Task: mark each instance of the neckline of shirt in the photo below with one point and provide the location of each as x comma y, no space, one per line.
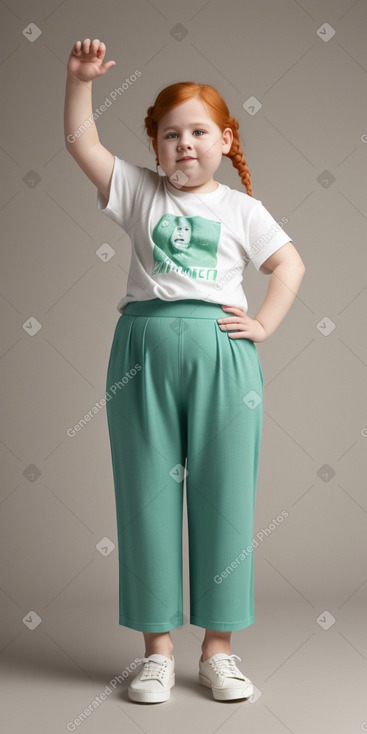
178,192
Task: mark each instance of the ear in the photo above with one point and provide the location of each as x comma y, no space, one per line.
227,136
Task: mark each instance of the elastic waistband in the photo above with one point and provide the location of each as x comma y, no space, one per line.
188,308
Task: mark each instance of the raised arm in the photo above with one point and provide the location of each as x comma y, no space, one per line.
80,132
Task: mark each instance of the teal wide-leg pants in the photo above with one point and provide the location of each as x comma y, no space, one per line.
184,400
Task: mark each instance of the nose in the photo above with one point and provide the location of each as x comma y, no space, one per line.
184,144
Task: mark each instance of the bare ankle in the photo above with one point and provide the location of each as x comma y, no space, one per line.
159,644
213,644
166,653
158,650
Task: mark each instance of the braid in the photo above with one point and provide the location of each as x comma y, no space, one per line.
151,127
237,157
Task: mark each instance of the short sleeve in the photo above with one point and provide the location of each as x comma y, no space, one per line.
125,183
265,235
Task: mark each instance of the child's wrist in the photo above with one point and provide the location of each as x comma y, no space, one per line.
76,79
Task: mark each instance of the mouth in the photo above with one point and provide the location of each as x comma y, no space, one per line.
186,158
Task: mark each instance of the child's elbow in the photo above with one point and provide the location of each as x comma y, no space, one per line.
298,262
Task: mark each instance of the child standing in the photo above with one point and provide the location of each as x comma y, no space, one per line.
184,381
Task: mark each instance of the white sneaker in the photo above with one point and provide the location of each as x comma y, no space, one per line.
154,681
221,674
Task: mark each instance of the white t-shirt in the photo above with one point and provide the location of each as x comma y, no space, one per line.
188,245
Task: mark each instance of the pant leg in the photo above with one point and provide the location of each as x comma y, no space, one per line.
147,438
223,383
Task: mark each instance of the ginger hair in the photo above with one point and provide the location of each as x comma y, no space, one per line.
180,92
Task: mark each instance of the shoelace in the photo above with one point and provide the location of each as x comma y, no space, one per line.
227,667
151,671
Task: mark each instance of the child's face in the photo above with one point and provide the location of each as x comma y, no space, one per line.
204,142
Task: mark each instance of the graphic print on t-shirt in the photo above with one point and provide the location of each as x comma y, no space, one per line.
188,245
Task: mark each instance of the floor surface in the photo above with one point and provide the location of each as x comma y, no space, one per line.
309,671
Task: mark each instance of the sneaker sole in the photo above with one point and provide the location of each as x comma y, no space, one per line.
227,694
151,696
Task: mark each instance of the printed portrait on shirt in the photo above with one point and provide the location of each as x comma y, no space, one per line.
185,242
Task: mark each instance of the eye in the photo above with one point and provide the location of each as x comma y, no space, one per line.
196,131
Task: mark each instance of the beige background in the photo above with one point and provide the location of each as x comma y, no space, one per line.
306,148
